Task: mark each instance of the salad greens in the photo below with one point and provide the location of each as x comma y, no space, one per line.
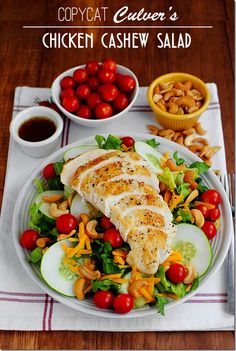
152,142
179,161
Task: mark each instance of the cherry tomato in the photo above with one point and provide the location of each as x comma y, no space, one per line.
67,92
203,209
123,303
110,65
106,223
128,141
84,112
66,223
118,77
106,77
93,100
126,84
121,102
48,171
83,91
92,67
214,214
80,75
176,273
103,299
70,103
108,92
211,196
28,239
209,229
45,103
93,83
113,235
67,82
103,110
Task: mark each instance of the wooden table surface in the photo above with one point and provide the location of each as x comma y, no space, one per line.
24,61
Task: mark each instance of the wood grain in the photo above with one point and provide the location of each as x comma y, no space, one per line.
24,61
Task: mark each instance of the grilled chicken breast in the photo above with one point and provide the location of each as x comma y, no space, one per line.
123,186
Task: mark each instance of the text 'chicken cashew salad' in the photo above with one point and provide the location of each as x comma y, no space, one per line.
122,224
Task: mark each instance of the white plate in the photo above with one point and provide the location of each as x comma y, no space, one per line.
220,243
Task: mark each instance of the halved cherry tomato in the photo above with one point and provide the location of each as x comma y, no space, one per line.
121,102
108,92
80,75
211,196
49,172
93,100
109,64
67,92
103,299
106,223
103,110
67,82
128,141
209,229
126,84
83,91
203,209
70,103
28,239
84,112
113,235
214,214
176,273
106,77
92,67
123,303
66,223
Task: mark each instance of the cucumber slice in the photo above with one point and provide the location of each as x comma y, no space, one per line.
150,154
44,208
79,206
67,191
76,151
139,302
193,244
52,270
123,289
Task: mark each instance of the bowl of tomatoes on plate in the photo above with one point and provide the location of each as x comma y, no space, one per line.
95,93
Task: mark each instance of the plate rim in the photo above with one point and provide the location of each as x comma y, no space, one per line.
109,313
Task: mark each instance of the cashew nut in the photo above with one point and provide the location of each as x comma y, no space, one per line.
198,217
153,129
173,167
63,205
165,132
161,106
195,148
180,140
65,236
42,242
192,196
173,108
189,139
189,178
79,288
91,229
189,131
192,274
87,273
186,101
134,287
201,140
192,109
169,94
157,97
55,212
199,129
176,136
180,111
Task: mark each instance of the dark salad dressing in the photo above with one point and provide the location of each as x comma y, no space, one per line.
37,129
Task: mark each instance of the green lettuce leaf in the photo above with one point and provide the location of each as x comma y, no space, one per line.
100,140
167,178
58,167
179,161
104,285
152,142
184,189
40,185
35,255
200,166
111,143
161,302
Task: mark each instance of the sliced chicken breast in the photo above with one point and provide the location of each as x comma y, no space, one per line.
123,186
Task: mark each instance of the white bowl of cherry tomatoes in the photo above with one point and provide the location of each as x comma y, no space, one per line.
95,94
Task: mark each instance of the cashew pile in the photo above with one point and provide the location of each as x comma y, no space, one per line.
191,138
178,98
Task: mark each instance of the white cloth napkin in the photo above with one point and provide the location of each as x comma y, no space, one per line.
23,306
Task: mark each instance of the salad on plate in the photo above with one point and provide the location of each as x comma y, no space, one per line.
123,224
